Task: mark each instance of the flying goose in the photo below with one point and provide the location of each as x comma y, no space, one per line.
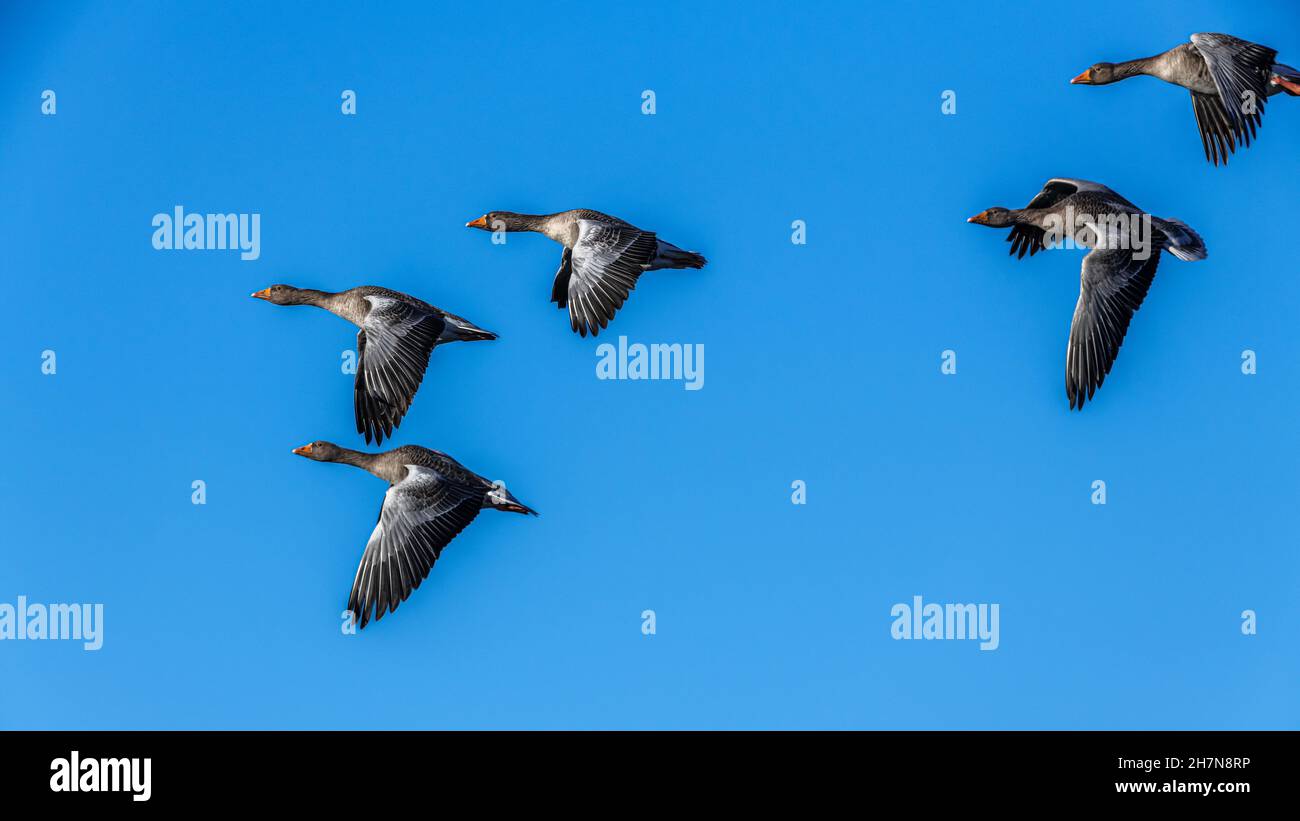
1230,80
431,498
398,333
1115,274
602,258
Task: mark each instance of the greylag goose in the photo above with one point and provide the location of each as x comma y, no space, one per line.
398,333
1115,275
1230,80
602,258
431,498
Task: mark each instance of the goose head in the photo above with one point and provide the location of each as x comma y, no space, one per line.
281,295
504,221
993,217
1099,74
320,451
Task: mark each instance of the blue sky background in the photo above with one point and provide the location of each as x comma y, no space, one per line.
822,364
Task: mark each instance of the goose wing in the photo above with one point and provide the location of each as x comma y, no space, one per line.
560,287
1241,71
1113,283
603,269
1218,136
393,348
420,515
1029,238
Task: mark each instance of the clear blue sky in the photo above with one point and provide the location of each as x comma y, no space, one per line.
822,365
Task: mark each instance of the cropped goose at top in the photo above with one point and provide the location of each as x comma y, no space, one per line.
602,259
397,335
1114,278
431,498
1230,80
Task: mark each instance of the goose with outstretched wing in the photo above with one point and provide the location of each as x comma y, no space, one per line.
1230,80
602,259
431,498
397,334
1125,245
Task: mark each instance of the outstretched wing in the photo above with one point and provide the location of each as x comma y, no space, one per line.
1218,137
1241,72
1112,285
393,348
420,515
1029,238
604,266
560,287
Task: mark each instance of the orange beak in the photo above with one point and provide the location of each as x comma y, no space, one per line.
1083,79
980,218
265,293
481,222
305,450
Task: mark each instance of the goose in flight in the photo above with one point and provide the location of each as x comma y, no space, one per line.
431,498
602,258
1230,80
1116,272
398,333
